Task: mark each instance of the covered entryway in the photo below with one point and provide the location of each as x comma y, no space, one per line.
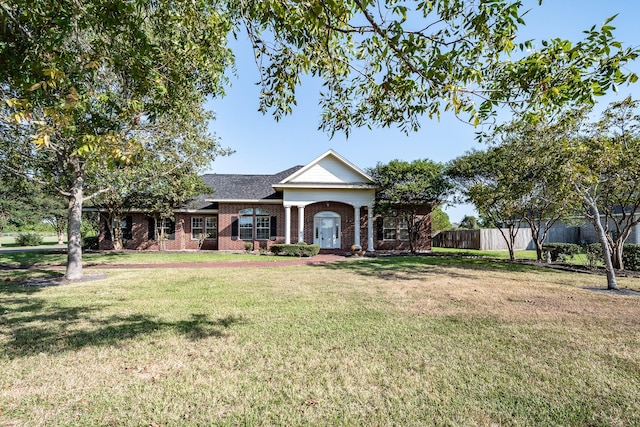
326,230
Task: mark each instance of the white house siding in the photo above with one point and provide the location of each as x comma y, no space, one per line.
328,170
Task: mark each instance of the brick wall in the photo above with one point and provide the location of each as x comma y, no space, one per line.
182,238
227,211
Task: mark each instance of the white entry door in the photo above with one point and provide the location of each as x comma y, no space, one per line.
327,230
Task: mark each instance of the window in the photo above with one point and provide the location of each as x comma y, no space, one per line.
168,227
394,228
254,222
204,227
262,227
196,228
246,227
126,227
389,228
211,227
403,225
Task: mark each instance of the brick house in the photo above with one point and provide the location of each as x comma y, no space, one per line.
328,202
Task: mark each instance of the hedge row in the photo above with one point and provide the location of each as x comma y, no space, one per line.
299,249
631,257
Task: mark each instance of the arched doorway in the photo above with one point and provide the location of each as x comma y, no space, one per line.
326,230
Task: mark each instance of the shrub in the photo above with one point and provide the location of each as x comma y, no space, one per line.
248,246
29,239
561,251
90,242
631,257
594,254
299,249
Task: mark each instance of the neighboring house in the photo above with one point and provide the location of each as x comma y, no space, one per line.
327,202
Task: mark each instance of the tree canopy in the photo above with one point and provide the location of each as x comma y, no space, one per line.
83,81
388,62
410,190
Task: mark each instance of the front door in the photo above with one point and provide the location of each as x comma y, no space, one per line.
327,231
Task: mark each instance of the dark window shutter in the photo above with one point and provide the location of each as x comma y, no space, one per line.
152,229
379,228
107,233
128,231
172,229
274,227
234,228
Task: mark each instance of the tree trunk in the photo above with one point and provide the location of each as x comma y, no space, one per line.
512,252
617,255
606,252
74,245
60,237
538,250
116,233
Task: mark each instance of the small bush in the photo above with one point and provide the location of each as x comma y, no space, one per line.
561,251
631,257
90,242
248,246
29,239
300,249
594,254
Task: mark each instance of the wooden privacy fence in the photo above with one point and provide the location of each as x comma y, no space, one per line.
491,238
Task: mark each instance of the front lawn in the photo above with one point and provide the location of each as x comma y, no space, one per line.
395,341
43,259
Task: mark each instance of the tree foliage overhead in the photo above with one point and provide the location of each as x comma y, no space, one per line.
389,62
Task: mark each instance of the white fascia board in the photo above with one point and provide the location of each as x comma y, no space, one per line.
196,210
263,201
357,185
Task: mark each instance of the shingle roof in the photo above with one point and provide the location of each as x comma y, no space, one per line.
245,187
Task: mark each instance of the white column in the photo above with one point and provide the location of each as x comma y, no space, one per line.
287,224
370,247
300,224
356,225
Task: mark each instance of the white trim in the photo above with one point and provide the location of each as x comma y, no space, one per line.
197,211
263,201
315,161
336,229
349,186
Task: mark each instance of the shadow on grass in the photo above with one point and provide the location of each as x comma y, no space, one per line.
11,277
31,326
414,267
32,258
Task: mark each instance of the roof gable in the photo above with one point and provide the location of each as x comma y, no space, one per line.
329,168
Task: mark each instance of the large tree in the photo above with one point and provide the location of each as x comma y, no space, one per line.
410,191
487,180
532,176
78,78
615,140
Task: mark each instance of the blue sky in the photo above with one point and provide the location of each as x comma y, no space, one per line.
264,146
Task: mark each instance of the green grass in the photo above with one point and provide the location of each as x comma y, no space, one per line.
34,258
394,341
579,259
10,241
523,254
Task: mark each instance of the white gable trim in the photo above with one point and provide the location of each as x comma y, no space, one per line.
366,179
